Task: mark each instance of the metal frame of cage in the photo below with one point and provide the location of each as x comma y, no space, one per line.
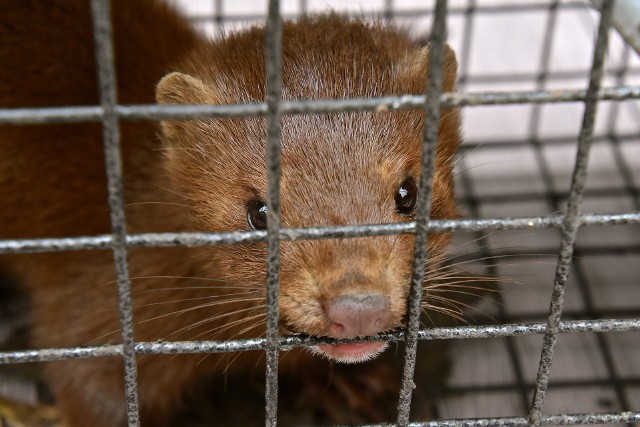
109,113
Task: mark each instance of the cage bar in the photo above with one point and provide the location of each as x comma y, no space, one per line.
101,14
288,342
307,233
571,222
273,52
21,116
431,116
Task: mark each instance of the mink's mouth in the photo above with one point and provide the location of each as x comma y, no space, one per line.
351,352
343,353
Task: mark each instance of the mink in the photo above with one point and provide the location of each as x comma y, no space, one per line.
210,175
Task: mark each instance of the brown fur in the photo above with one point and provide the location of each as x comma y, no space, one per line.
337,169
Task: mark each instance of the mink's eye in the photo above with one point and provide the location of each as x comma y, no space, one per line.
257,214
406,197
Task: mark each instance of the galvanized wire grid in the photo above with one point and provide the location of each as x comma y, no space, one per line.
109,113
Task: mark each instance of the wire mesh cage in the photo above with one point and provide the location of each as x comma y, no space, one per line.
548,178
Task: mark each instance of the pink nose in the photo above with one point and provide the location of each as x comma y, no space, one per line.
356,315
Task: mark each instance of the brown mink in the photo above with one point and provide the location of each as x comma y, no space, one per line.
210,175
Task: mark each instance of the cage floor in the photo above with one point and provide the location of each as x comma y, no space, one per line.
517,161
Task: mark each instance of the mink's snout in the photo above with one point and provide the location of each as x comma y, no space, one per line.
357,315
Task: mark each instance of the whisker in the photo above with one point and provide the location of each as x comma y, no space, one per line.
229,325
462,157
243,299
171,191
261,318
239,321
447,280
467,169
212,319
474,260
247,329
426,313
486,246
199,307
178,288
103,336
205,279
458,286
472,308
178,312
186,288
235,357
451,313
455,276
479,238
156,203
449,303
455,301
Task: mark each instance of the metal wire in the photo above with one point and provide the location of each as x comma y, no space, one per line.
467,39
20,116
288,342
571,222
273,51
423,208
101,15
563,420
293,234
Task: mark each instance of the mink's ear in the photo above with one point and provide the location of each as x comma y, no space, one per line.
449,133
419,66
181,89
